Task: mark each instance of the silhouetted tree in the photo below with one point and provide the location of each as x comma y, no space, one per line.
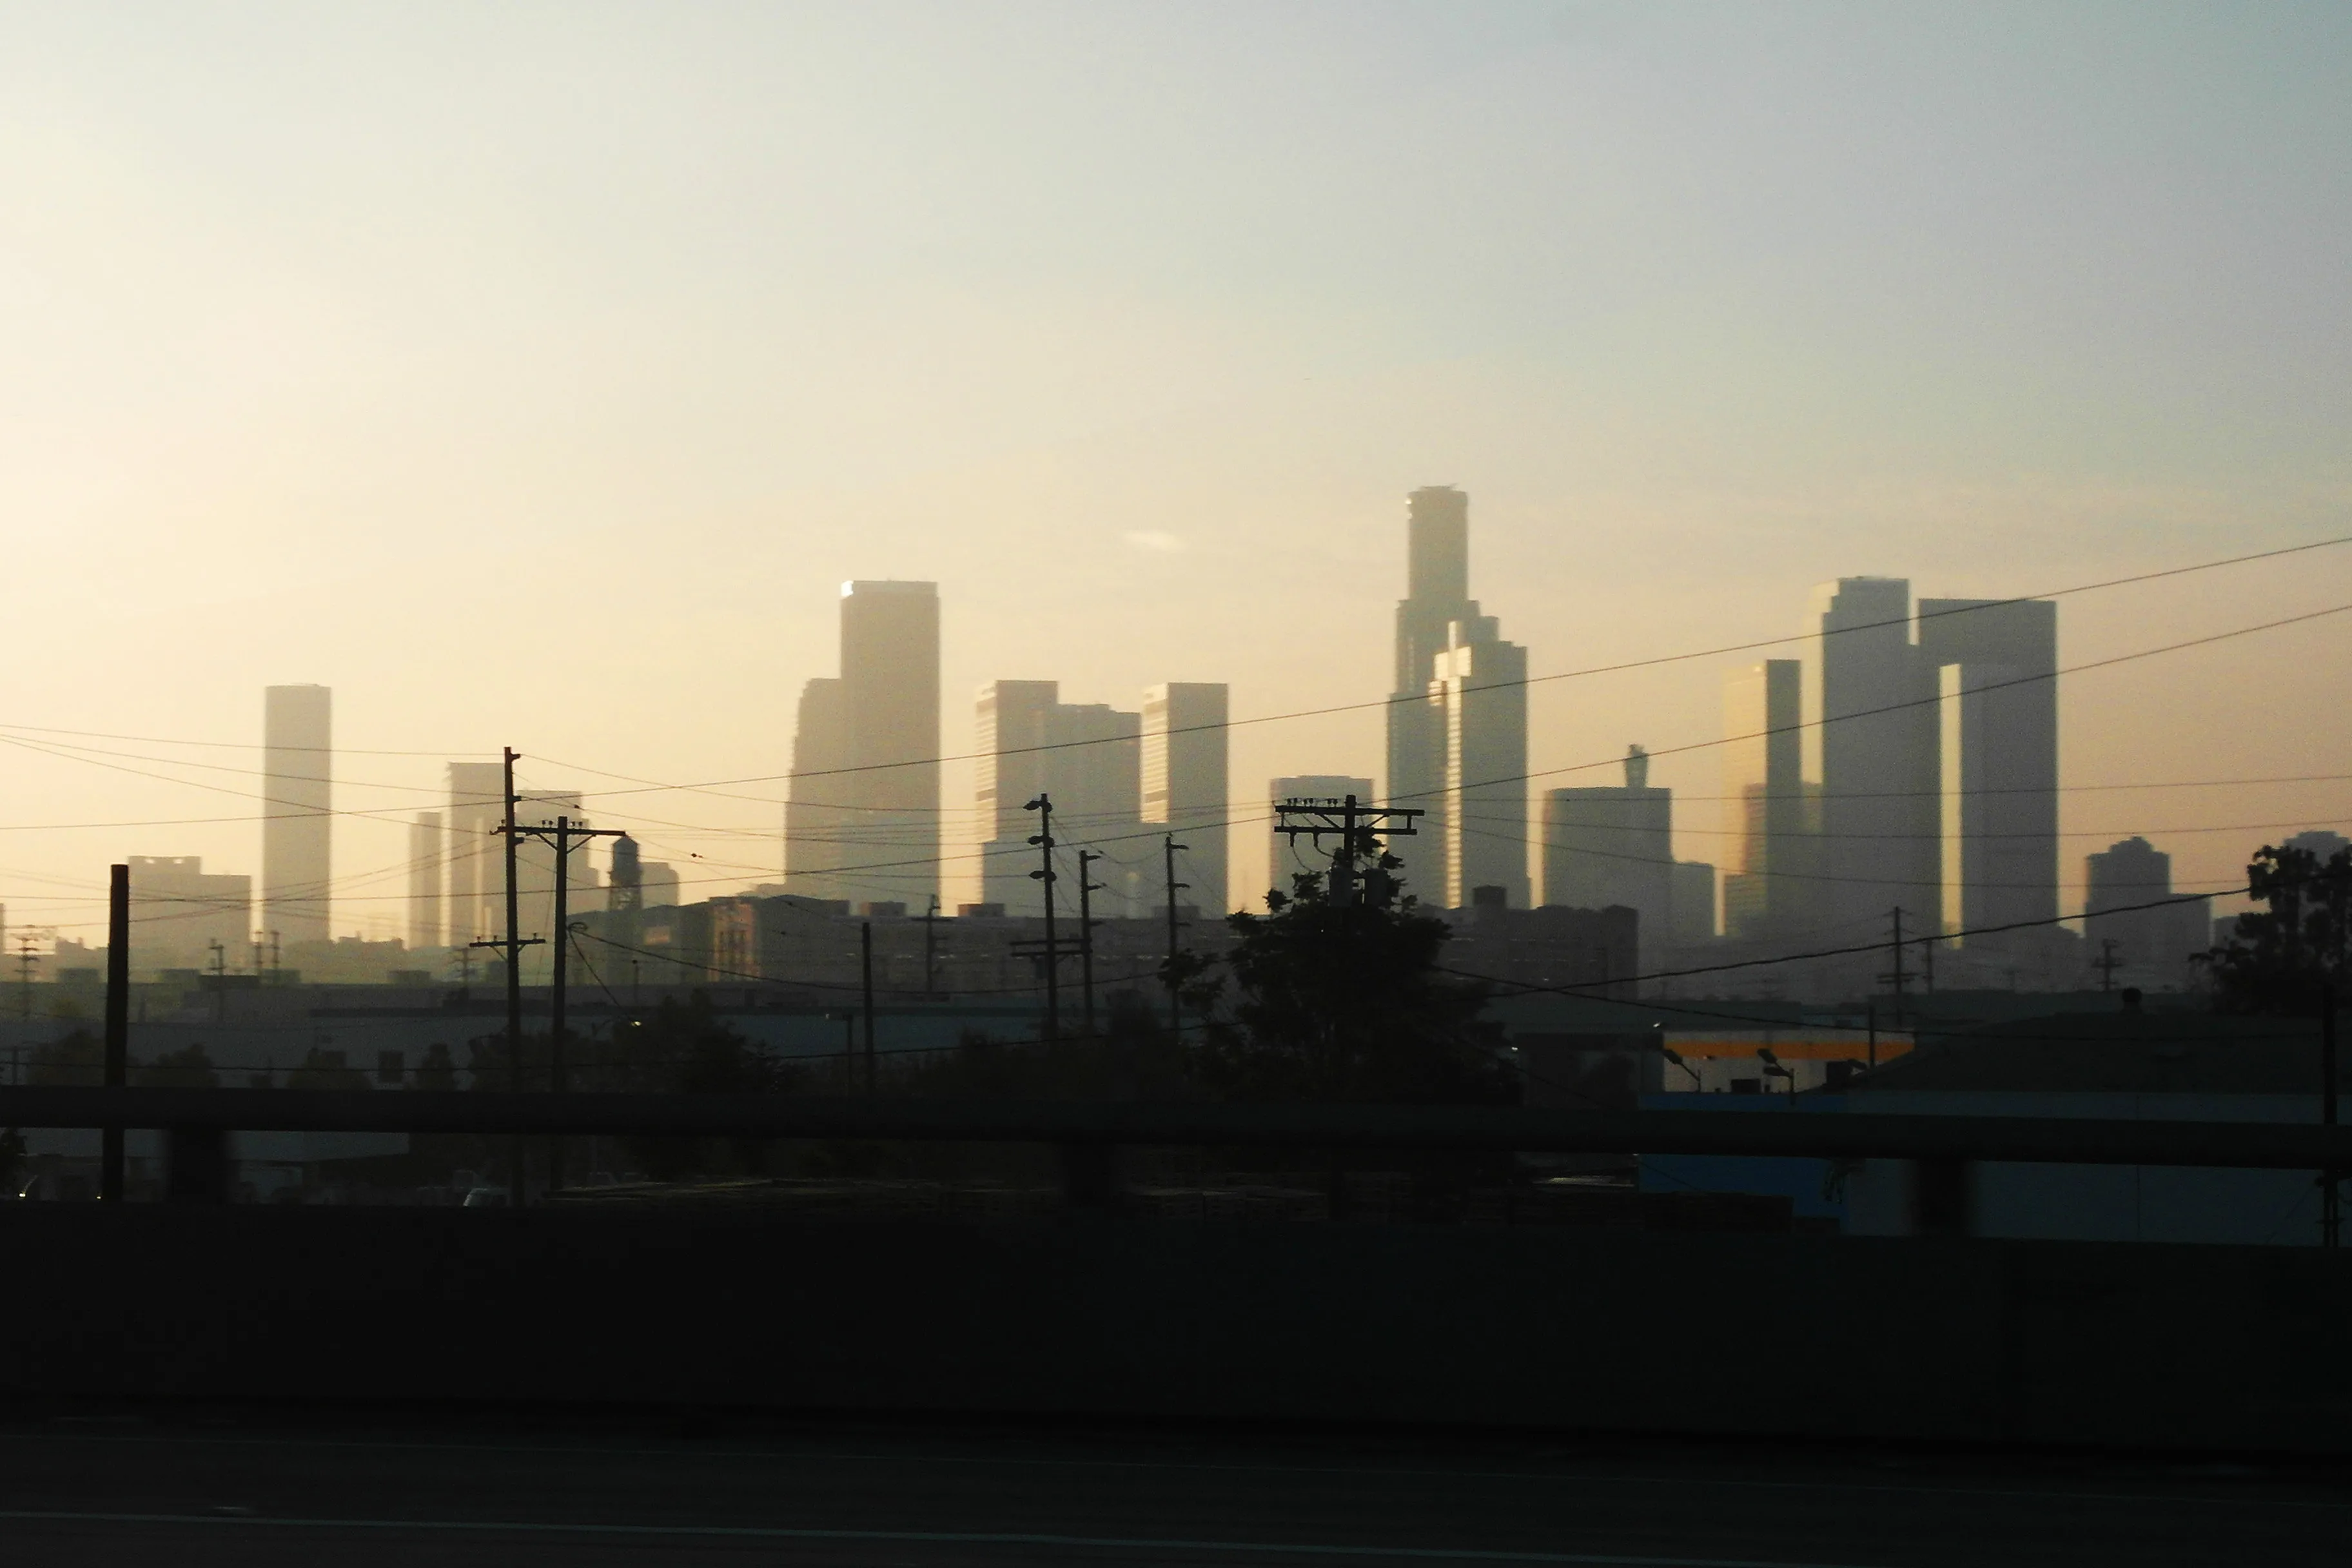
684,1049
186,1069
323,1068
75,1060
2279,956
1345,1001
438,1070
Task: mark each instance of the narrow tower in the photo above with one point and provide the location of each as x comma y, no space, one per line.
297,812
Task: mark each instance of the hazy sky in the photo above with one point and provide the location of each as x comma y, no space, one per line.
533,374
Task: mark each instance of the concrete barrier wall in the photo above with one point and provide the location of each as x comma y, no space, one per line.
2168,1347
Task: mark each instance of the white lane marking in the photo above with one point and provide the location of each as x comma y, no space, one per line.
918,1537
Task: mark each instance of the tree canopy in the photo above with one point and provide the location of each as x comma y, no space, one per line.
2280,955
1339,1000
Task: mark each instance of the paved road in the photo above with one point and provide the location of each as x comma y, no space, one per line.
261,1490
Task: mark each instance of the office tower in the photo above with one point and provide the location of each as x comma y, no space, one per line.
475,853
1015,721
1437,596
1479,696
660,885
1873,698
1088,757
815,818
297,812
889,728
625,877
426,925
535,875
1996,663
1771,814
183,917
2151,945
1605,845
1691,912
1287,861
2323,844
1185,785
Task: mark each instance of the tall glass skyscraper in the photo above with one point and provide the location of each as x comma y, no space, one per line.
297,811
862,821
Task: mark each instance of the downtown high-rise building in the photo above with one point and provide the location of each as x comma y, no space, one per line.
1287,859
427,922
1185,767
297,812
2136,930
473,852
1872,741
1437,596
813,812
1478,695
1084,757
1614,845
1997,672
862,818
1771,815
1457,720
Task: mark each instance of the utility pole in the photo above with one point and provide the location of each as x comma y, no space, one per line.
511,944
866,987
1087,886
29,938
118,1024
561,836
931,948
1043,838
1168,848
1869,1019
1898,976
2107,964
1354,823
220,980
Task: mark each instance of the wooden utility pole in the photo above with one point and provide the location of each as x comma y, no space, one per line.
117,1024
511,944
560,836
1087,886
1043,839
1358,826
1898,976
1168,848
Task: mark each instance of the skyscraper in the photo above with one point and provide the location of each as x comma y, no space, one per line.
475,853
1287,859
297,811
184,917
1873,698
1604,846
427,924
1997,668
1185,783
1087,757
2149,945
814,815
1437,595
1770,816
889,727
1479,699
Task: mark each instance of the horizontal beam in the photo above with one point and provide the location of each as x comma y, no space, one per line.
1514,1129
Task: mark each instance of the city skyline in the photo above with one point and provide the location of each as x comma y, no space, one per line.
1141,405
